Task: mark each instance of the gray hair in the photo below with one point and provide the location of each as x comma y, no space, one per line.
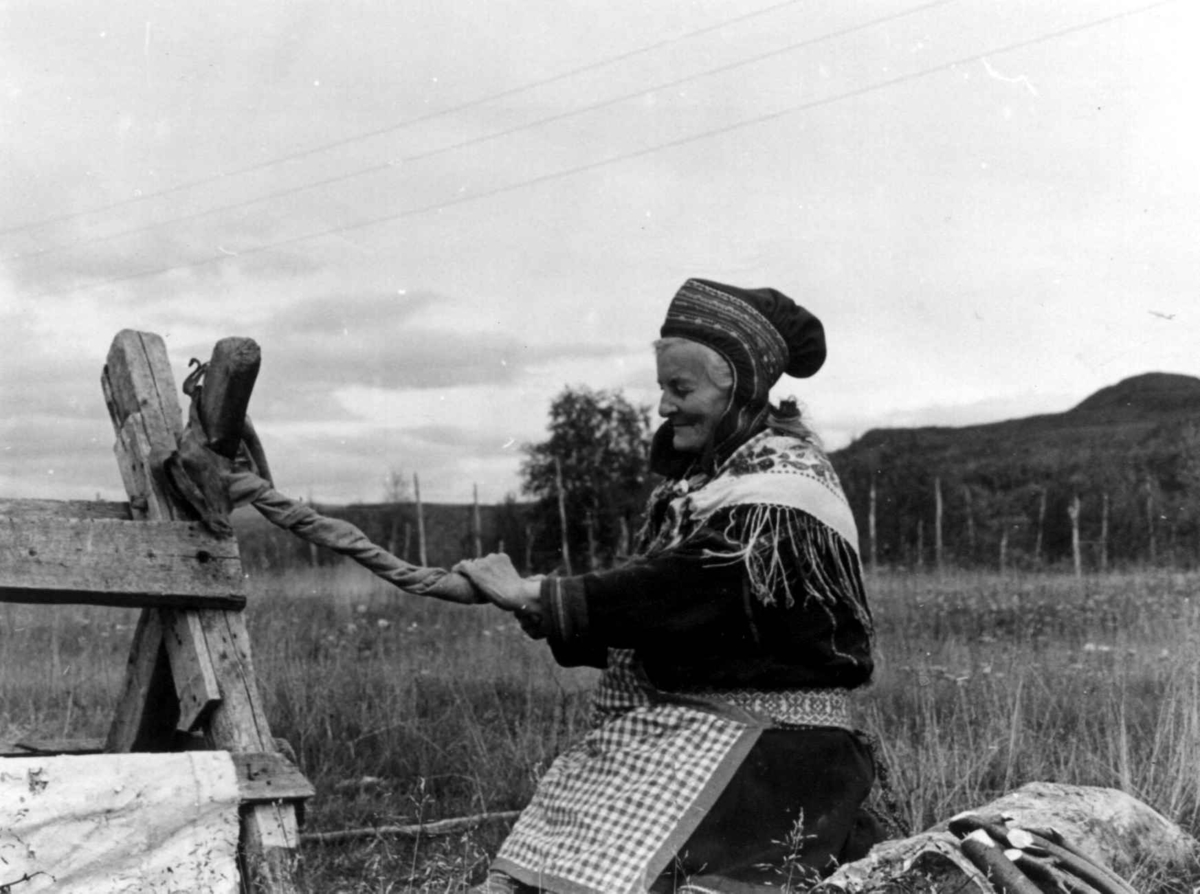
786,419
716,367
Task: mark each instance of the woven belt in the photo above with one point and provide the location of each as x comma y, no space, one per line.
794,707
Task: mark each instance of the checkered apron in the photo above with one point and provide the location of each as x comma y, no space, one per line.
611,812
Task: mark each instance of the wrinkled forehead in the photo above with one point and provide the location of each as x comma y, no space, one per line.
688,359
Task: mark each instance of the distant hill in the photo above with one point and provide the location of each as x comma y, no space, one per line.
1134,445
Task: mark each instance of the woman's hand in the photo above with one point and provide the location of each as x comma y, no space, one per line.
496,578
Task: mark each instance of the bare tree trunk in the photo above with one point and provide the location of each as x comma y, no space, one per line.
871,528
1073,511
422,560
937,520
1004,550
475,525
562,515
528,548
920,543
407,541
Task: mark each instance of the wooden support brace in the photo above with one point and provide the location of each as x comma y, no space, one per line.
192,668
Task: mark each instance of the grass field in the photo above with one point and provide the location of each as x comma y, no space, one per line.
404,711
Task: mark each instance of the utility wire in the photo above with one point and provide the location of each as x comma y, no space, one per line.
401,125
474,141
604,162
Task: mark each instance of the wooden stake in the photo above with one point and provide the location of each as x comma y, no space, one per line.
423,561
873,538
1104,533
1041,526
1073,512
476,527
937,534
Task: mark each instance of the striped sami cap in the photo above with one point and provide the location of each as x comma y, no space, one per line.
762,333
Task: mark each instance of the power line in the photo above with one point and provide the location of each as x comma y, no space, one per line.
401,125
473,141
590,166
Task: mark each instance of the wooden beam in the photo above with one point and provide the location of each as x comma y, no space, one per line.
137,377
106,561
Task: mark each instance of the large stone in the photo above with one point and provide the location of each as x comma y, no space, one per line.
1116,830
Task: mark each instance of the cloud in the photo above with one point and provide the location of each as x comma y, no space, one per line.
395,342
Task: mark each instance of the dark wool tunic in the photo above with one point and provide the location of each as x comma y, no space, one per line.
733,593
692,621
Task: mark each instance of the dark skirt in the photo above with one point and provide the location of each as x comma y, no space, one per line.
791,814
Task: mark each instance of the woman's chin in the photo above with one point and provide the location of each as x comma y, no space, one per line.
685,442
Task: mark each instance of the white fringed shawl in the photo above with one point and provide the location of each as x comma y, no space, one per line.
778,490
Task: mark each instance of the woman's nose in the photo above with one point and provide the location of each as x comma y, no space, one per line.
665,406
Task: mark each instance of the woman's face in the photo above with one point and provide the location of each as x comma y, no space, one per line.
690,401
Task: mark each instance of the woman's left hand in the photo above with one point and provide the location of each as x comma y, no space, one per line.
497,579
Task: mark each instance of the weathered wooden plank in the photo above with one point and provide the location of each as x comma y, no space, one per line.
140,393
85,509
144,483
137,379
191,668
264,776
239,724
113,562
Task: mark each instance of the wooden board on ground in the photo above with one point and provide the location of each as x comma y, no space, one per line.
105,824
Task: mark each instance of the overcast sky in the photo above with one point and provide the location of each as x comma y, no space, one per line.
434,216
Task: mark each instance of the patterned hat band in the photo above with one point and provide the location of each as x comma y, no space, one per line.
735,329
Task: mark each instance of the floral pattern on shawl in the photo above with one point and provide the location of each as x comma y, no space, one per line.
776,505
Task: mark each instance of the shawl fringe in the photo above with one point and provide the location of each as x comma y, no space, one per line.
822,568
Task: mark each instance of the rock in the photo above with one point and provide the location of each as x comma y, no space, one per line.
1116,830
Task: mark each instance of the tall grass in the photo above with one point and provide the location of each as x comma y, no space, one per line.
404,710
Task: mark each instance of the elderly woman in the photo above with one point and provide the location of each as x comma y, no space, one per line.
722,756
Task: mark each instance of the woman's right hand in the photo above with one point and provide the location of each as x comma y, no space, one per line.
496,578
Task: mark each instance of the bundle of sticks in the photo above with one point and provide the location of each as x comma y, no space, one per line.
1019,860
